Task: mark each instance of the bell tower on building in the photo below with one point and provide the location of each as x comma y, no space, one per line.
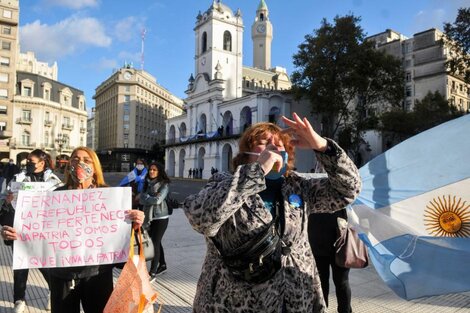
262,36
219,45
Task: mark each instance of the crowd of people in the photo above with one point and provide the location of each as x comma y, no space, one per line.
269,230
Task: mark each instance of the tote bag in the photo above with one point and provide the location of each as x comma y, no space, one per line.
133,292
351,252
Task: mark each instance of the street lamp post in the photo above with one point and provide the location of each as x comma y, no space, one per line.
60,140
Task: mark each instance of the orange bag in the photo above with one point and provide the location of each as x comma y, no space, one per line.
133,292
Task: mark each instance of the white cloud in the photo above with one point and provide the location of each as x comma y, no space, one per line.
74,4
51,42
128,28
128,57
105,64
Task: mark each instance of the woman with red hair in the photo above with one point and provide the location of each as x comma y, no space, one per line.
255,221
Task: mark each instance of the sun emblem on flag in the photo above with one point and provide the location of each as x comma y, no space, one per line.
447,217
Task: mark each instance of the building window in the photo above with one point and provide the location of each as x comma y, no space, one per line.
47,117
25,138
227,41
408,92
6,45
408,77
46,138
27,92
7,13
127,98
3,126
204,42
3,109
3,77
26,115
47,94
3,94
127,88
4,61
6,30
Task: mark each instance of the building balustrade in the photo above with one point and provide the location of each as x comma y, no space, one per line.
83,130
220,133
24,120
48,123
67,126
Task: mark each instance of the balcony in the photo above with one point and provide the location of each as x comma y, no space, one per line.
82,130
453,91
5,134
22,145
67,126
48,123
23,120
220,134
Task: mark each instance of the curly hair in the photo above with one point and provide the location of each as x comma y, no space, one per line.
257,132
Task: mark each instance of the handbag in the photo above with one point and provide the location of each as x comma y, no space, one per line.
351,252
133,292
259,259
147,245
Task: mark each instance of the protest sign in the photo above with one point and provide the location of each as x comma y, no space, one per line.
72,227
32,186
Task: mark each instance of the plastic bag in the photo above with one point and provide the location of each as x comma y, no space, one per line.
133,292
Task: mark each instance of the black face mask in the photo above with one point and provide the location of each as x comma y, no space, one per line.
30,168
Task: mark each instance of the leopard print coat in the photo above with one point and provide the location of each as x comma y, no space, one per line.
223,211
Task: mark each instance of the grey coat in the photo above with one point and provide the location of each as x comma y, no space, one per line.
224,210
153,200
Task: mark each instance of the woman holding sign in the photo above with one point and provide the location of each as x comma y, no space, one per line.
91,285
38,169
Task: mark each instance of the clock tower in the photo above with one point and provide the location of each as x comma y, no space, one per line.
219,46
262,36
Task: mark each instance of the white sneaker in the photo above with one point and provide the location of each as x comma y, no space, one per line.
20,306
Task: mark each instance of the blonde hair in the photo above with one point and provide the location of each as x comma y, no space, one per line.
257,132
98,177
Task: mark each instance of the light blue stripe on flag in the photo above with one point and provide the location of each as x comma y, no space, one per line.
414,212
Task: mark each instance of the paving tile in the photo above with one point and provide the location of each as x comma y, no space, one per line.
185,251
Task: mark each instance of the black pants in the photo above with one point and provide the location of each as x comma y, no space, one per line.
93,292
156,231
20,281
340,279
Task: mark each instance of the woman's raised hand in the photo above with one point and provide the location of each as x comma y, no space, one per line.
304,134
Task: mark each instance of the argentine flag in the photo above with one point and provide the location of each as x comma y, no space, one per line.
414,212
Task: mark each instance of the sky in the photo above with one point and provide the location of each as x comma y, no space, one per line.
90,38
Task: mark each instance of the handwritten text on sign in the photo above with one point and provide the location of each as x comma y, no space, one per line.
72,227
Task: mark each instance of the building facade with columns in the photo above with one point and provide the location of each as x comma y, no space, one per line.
224,97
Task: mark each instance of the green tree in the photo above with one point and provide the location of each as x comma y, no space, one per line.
431,111
158,151
343,76
458,35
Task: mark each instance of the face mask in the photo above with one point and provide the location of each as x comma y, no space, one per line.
273,174
81,172
30,168
139,167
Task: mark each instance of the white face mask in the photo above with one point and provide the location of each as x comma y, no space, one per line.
139,167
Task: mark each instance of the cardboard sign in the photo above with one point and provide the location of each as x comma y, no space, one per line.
72,227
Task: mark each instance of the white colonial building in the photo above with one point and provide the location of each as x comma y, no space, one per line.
225,97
